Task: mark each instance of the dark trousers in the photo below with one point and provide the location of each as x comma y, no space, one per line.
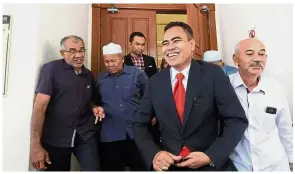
115,156
86,153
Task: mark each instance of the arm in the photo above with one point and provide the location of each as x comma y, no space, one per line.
143,83
142,137
284,124
44,91
97,109
37,120
96,97
235,120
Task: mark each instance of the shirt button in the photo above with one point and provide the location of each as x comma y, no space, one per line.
117,86
120,104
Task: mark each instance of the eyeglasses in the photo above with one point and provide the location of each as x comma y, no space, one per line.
75,52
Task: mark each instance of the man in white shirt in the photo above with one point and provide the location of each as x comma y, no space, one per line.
267,143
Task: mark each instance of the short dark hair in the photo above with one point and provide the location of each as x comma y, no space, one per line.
137,33
187,29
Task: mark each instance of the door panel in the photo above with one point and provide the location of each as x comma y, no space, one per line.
118,27
196,20
142,26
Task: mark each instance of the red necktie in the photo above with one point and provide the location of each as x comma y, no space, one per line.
179,99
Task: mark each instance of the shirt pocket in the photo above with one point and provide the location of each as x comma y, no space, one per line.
129,90
268,122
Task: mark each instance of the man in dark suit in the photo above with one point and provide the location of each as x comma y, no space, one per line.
187,100
136,57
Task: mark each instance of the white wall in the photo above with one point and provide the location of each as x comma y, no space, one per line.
21,79
36,33
274,26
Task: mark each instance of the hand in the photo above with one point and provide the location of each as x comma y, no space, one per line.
154,121
163,160
195,160
99,113
291,166
38,157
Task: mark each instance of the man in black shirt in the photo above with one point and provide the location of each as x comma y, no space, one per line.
63,122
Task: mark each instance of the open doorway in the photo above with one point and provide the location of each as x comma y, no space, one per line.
115,22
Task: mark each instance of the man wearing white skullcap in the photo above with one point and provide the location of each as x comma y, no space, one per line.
214,56
120,89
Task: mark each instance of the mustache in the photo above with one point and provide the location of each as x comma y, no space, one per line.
256,64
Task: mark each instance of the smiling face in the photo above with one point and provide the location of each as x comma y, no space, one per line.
250,57
177,48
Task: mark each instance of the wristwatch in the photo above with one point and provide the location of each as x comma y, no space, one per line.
291,166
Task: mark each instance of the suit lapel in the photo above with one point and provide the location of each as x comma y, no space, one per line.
193,86
145,61
129,61
166,89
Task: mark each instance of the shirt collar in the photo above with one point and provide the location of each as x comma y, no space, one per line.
68,66
135,56
185,72
238,81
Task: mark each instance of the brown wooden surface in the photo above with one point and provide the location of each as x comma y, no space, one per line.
117,28
212,32
95,42
169,7
208,41
195,20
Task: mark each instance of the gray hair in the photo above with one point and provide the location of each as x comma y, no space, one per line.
73,37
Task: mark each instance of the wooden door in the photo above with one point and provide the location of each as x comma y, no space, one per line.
117,28
197,21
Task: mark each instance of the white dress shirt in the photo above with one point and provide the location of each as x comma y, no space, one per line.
173,78
267,144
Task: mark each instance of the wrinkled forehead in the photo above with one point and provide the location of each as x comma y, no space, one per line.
112,57
251,44
74,43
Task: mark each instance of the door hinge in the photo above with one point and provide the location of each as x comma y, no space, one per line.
113,9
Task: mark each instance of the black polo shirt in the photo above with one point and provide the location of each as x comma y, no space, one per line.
69,108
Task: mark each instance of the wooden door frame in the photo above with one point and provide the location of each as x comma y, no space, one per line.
96,23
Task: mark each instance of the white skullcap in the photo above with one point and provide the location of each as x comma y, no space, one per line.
212,55
111,48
